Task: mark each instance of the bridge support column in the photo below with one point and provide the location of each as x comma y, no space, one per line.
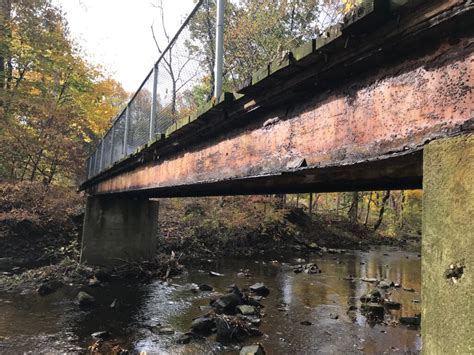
448,246
118,228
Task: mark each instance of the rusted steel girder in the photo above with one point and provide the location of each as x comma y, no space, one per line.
323,131
388,115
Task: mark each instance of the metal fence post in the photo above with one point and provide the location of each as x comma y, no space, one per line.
153,102
125,135
219,61
112,145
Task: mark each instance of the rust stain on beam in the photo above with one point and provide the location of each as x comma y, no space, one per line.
359,122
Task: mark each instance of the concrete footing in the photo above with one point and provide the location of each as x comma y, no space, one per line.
118,229
448,246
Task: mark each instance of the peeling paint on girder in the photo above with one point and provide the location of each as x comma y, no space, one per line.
395,113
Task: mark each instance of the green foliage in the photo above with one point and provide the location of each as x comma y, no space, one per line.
401,216
257,32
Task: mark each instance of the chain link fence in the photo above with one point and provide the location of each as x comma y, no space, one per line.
182,79
172,89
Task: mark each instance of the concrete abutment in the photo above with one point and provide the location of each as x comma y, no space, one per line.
118,229
448,246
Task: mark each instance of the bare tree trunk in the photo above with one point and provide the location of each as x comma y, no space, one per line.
401,206
5,34
311,203
297,200
353,210
337,203
382,210
368,209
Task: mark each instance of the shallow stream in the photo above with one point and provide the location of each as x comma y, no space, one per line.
55,323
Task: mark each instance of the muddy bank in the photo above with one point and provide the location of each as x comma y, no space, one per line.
246,226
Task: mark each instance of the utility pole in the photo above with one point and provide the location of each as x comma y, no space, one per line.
219,60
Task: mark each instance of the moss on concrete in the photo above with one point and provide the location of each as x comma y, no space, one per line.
447,244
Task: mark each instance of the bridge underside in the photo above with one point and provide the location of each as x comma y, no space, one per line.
361,125
391,108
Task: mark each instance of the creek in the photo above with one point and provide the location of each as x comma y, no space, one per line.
30,323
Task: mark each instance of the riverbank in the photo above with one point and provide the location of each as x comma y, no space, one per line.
40,233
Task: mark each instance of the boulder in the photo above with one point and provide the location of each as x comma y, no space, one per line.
371,296
392,304
384,284
227,303
253,319
253,302
416,321
185,339
205,309
375,309
226,331
260,289
205,287
297,269
202,324
312,269
84,299
214,296
232,328
94,282
256,349
49,287
246,310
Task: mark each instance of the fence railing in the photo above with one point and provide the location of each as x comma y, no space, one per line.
166,95
181,80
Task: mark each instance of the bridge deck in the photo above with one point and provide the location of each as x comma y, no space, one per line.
352,112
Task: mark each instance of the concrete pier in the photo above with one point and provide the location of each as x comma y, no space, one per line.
448,246
118,229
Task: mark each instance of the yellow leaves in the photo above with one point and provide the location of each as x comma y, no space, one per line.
35,92
349,5
414,194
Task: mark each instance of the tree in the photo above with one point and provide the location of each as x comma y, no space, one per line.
177,62
354,209
258,32
53,105
382,210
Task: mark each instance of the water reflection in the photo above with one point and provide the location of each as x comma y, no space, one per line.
55,323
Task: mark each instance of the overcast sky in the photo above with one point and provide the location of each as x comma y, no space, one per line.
116,33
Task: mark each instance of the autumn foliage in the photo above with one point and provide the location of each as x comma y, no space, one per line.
53,104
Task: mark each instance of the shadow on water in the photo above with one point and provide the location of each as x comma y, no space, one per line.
56,323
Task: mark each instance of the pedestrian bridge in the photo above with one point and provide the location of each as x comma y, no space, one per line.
382,101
